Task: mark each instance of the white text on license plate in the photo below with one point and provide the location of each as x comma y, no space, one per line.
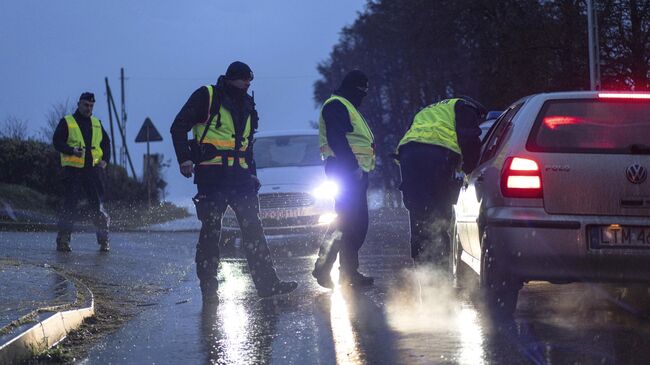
616,235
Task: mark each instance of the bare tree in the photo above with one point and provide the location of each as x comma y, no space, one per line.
14,128
52,118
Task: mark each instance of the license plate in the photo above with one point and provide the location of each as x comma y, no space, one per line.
619,236
279,214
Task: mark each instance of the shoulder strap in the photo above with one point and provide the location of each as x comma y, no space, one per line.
216,102
216,111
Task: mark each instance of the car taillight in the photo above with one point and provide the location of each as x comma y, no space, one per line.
614,95
521,178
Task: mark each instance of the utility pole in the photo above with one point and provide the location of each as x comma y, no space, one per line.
594,54
123,152
147,176
121,130
110,119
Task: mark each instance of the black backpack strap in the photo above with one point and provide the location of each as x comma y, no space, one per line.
215,104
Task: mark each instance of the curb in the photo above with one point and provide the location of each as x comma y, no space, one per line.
47,332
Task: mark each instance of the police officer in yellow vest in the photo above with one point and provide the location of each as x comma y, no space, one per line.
85,151
223,120
443,138
347,145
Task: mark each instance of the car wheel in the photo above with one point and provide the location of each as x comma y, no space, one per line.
499,289
460,272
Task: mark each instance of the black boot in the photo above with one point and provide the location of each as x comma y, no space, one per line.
323,278
323,266
206,271
63,242
209,291
355,278
103,245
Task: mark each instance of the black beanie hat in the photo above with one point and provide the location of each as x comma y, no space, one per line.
471,101
239,71
355,79
88,96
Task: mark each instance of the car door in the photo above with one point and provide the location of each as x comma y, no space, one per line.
472,191
464,210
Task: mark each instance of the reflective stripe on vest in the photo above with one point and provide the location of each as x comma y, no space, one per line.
222,138
76,139
436,125
361,139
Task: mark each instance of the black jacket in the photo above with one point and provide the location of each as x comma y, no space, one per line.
468,118
337,124
60,138
239,104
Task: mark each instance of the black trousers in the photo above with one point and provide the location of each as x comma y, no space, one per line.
429,190
88,180
211,203
349,231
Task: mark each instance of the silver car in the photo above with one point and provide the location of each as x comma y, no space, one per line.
295,197
561,194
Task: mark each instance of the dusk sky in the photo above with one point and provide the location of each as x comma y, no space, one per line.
54,50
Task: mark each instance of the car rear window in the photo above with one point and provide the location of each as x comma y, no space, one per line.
592,126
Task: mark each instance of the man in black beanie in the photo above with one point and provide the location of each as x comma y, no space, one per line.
85,152
347,145
223,120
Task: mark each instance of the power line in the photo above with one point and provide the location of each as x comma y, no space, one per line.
209,77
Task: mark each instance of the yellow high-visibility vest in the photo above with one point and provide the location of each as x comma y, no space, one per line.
76,139
436,125
223,138
361,139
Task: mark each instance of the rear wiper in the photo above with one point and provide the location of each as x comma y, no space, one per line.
639,149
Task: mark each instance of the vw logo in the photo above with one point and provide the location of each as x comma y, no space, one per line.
636,173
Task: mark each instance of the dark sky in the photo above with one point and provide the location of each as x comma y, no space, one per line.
53,50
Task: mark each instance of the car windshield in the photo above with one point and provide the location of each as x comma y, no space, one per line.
283,151
592,126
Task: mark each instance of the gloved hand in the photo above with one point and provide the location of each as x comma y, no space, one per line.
78,151
187,168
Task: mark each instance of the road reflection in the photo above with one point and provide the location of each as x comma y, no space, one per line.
238,329
343,336
357,324
471,336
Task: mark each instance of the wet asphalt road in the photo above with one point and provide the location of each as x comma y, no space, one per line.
408,317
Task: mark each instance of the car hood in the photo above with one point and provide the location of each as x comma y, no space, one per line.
294,178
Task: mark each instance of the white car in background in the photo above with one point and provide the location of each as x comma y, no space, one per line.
295,197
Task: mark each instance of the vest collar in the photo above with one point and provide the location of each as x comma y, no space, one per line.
80,118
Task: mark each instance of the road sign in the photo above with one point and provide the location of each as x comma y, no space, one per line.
148,133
